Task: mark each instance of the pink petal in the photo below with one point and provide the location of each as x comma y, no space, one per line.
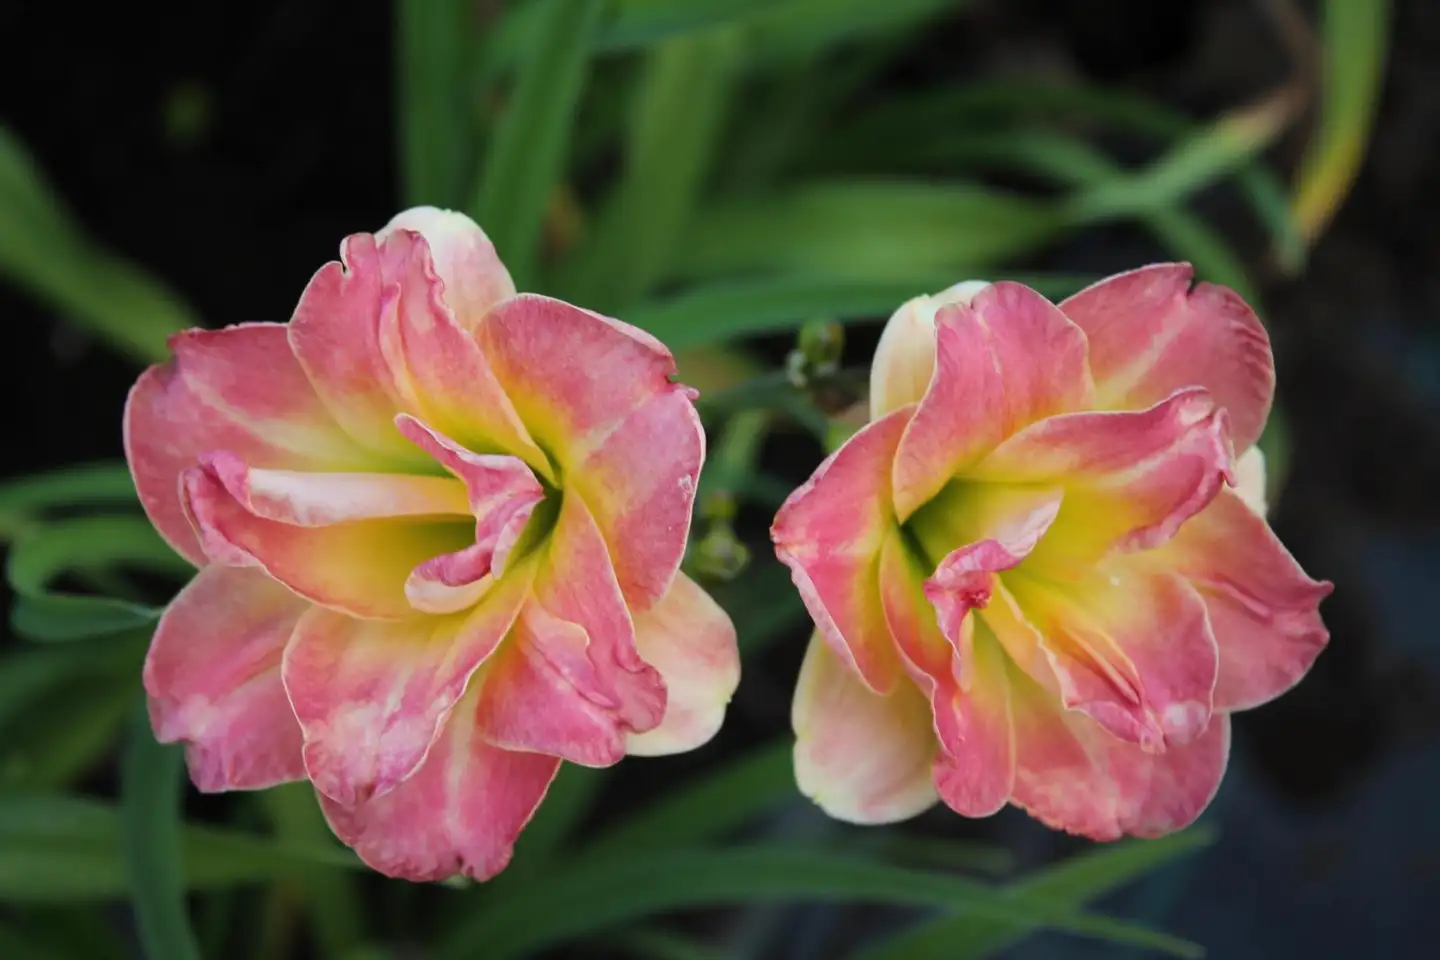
359,567
502,494
235,389
465,260
829,533
572,683
963,677
1129,646
376,338
690,640
1151,334
460,812
574,376
640,486
306,499
863,757
905,356
1004,361
544,695
1073,776
372,695
213,679
1131,478
1263,609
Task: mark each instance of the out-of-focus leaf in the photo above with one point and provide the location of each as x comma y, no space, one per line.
715,804
663,945
36,674
953,118
434,40
1196,161
528,151
567,801
638,23
682,100
44,252
1070,884
150,788
91,484
865,231
728,309
762,603
798,29
1354,37
332,901
89,543
601,894
56,848
1072,162
67,733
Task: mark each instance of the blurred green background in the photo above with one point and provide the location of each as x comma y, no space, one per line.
723,173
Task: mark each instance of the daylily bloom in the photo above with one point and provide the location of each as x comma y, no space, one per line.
439,526
1034,578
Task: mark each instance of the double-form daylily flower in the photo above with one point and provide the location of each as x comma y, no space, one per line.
1040,575
439,526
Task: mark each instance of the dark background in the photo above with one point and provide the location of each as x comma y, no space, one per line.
1331,840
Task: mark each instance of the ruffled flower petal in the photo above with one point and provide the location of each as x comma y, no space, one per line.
1004,361
829,533
863,757
465,260
213,680
1151,334
690,640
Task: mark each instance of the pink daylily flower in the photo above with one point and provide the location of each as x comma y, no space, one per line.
1041,574
438,525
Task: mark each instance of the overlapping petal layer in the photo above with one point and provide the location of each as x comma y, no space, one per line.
1059,562
439,526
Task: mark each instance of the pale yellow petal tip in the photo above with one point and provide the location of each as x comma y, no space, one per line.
431,222
1250,480
905,356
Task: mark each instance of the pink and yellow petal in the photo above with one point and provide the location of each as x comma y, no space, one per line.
690,640
830,533
863,757
465,260
577,584
213,680
1130,647
1130,478
1151,334
644,514
573,376
359,567
459,813
236,389
372,695
1263,609
905,356
1002,362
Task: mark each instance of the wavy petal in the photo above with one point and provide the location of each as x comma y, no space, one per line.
1152,334
690,640
573,684
1263,609
957,672
1130,478
829,533
237,389
574,376
372,695
359,567
376,338
1004,361
1073,776
465,260
905,356
863,757
1131,647
213,679
460,812
1250,480
644,514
